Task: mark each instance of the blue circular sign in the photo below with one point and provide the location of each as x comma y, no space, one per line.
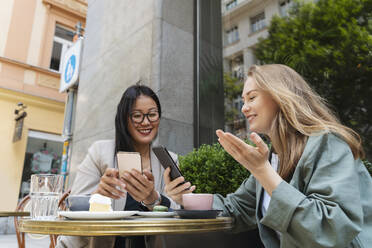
70,68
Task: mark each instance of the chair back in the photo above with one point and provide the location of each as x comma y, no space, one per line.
20,208
23,205
61,206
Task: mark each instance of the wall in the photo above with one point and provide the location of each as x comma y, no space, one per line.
43,115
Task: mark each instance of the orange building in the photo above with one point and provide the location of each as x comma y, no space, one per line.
34,36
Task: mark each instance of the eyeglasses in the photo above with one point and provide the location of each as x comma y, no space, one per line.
138,117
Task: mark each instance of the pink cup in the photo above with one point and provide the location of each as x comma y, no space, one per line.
197,201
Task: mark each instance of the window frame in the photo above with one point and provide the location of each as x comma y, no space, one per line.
66,44
231,4
284,6
55,16
232,35
258,22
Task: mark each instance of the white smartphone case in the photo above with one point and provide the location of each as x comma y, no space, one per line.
128,161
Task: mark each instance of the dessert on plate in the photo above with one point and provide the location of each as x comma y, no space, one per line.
160,208
99,203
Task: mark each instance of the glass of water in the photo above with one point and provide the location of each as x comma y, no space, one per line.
45,191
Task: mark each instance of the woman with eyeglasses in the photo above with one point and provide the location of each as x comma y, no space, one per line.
136,126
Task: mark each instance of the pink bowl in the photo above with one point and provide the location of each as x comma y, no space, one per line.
197,201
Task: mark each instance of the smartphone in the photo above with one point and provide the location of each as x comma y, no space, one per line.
128,161
166,161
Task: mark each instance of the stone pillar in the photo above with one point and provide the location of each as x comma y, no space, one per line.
208,89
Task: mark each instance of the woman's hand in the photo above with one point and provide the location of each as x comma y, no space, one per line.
174,189
252,158
110,185
255,159
140,186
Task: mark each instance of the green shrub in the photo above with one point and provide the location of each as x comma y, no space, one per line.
212,170
368,166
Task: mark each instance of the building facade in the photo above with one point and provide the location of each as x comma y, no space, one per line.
244,22
35,35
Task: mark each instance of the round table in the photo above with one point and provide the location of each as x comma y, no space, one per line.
13,213
125,227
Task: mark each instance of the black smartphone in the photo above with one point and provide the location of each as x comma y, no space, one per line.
166,161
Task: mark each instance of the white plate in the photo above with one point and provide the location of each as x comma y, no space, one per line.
86,215
157,214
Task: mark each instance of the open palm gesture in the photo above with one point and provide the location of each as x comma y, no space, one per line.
252,158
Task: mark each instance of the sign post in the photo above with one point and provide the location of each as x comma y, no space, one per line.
69,80
71,66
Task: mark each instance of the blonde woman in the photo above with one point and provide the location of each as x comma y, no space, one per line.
312,190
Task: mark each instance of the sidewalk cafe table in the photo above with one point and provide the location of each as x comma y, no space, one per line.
13,213
132,226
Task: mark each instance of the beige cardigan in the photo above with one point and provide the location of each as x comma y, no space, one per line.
100,157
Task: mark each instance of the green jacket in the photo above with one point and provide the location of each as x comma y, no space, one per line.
327,203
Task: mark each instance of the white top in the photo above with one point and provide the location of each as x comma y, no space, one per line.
266,197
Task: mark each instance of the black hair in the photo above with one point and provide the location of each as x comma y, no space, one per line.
123,139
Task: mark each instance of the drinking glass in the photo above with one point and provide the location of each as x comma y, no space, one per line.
45,191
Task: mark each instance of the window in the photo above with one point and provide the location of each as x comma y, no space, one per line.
238,72
237,66
238,104
258,22
231,4
232,35
43,155
284,7
61,42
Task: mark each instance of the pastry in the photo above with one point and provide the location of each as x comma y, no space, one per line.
99,203
160,208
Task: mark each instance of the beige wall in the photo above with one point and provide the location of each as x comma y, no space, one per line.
27,27
37,34
26,40
26,49
6,9
20,28
43,115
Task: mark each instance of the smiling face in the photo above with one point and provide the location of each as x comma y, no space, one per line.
259,107
143,133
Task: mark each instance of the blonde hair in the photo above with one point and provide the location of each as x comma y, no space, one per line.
302,113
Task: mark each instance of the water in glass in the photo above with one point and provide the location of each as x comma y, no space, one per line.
46,189
44,206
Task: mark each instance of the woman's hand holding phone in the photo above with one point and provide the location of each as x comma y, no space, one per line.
176,188
110,184
140,186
